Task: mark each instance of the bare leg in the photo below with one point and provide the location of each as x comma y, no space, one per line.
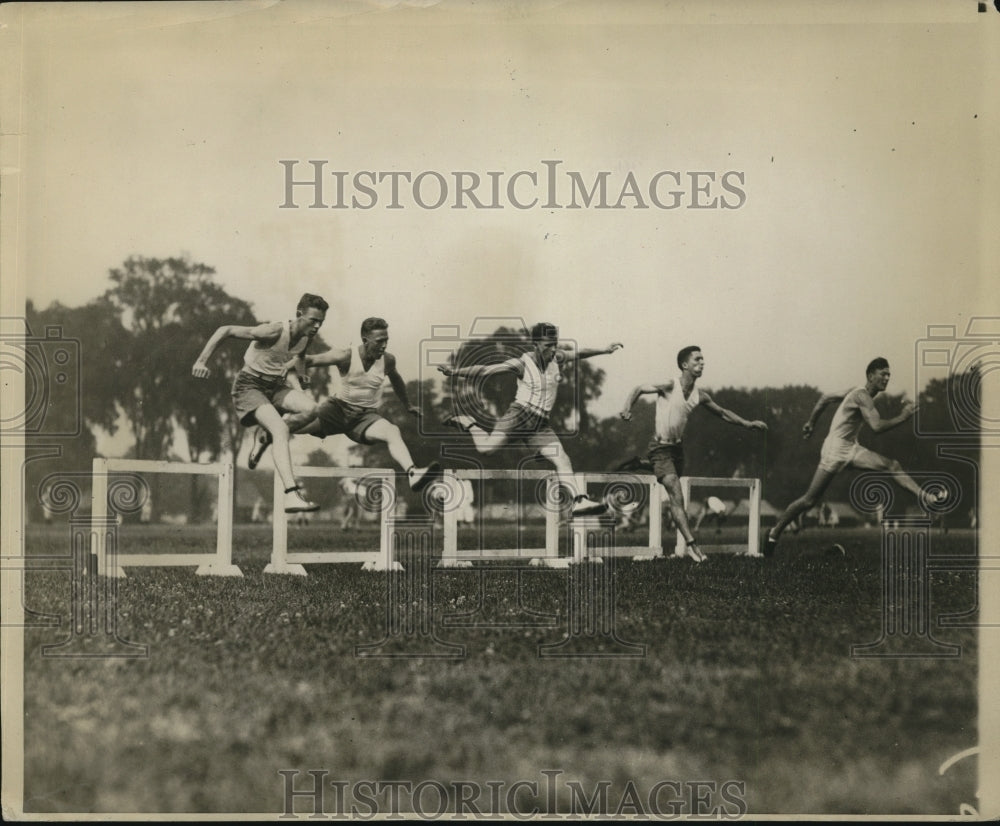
301,409
564,467
676,503
488,443
385,431
817,487
270,419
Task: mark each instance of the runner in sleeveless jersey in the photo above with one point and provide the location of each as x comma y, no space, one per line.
539,372
841,448
675,399
353,409
263,388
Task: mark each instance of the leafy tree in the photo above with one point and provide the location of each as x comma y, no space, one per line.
169,307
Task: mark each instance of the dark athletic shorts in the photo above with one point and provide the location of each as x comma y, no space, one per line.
251,391
337,416
667,460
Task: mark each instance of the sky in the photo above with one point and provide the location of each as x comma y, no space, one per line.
857,138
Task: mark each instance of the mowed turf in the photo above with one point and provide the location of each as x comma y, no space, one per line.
737,669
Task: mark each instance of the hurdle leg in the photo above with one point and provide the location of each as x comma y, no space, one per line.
753,530
655,523
680,549
384,561
552,558
223,565
99,522
279,545
449,551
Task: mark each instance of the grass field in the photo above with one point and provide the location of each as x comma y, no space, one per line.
745,675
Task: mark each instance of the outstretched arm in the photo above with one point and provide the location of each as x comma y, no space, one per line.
728,415
339,357
822,403
398,385
569,354
640,390
875,421
484,370
261,332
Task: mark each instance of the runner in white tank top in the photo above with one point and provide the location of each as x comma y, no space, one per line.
848,418
353,410
360,386
841,448
672,411
538,374
675,399
261,392
536,388
271,359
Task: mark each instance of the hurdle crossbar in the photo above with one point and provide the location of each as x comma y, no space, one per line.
752,486
112,563
284,561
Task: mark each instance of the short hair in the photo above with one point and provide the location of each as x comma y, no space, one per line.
682,356
876,364
309,300
373,323
543,331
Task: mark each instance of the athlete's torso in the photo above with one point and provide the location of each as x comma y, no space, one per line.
672,411
270,359
536,388
362,387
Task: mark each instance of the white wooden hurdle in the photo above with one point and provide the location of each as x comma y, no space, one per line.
219,563
752,486
284,561
548,555
581,527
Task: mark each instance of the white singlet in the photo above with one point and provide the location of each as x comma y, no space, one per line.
270,359
672,411
848,420
362,387
537,390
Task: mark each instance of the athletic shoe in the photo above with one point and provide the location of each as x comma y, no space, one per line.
294,503
261,439
585,506
420,477
459,420
770,546
695,552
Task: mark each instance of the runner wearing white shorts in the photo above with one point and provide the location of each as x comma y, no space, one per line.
841,448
